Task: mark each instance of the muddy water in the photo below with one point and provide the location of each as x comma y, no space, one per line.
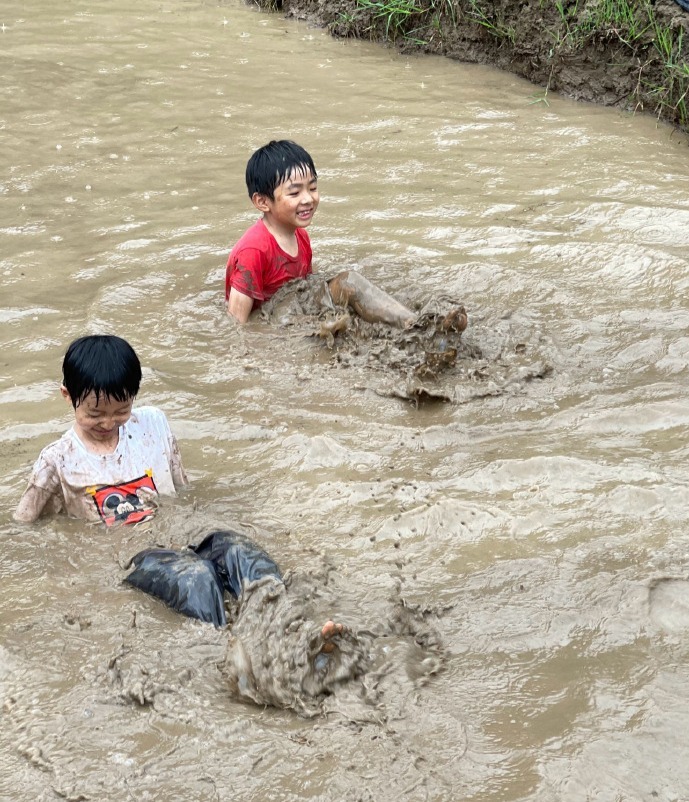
539,528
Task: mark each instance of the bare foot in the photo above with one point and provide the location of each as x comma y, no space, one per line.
329,631
455,320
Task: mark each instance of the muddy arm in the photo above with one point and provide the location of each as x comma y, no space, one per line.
32,504
350,288
239,305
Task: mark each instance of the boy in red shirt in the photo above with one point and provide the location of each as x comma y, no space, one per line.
283,184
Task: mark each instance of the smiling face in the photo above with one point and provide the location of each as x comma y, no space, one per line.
294,203
98,420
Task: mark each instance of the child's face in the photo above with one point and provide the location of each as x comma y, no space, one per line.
295,201
99,421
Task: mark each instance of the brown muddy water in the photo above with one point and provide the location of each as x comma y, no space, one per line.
515,559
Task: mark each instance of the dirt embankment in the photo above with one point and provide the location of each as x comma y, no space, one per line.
633,54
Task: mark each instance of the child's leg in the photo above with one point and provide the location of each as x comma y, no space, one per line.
350,288
183,580
237,559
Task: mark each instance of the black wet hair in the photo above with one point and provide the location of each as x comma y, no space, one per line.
102,364
272,164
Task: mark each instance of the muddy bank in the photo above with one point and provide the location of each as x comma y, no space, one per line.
633,55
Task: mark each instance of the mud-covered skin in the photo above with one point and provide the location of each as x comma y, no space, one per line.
370,303
447,354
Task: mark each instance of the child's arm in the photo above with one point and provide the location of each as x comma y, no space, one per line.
244,277
43,493
168,442
179,476
32,504
239,305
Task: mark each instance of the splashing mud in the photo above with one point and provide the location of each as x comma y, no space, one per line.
276,653
434,359
274,650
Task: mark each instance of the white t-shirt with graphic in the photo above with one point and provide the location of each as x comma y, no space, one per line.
121,486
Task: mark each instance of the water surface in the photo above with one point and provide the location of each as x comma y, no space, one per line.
543,531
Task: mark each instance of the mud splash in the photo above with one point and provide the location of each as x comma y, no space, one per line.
272,644
433,360
274,655
275,651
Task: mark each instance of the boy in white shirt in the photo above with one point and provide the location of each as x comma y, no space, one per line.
112,465
114,461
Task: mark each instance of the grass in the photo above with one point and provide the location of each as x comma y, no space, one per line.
268,5
671,93
578,21
397,15
489,21
394,14
625,20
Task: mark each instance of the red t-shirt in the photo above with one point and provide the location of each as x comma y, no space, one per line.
258,266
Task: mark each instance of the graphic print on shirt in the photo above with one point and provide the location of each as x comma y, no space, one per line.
129,502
